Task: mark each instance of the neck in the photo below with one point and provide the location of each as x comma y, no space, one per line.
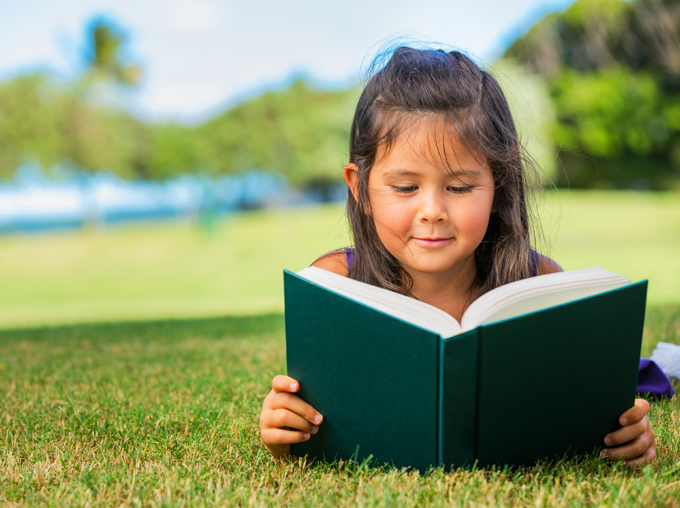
450,291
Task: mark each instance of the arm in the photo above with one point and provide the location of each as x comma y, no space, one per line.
635,442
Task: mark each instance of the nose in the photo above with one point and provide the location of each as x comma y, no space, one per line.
433,208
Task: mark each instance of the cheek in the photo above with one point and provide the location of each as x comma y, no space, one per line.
474,220
393,218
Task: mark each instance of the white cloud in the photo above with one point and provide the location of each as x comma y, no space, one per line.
193,16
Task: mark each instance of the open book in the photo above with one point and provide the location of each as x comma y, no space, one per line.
511,300
540,368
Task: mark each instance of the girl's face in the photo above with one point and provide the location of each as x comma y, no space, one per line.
431,215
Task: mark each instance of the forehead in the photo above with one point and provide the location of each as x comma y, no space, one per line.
433,143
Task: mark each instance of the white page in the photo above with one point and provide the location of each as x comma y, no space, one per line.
510,300
399,306
540,292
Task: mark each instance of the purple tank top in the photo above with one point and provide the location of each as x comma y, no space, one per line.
349,254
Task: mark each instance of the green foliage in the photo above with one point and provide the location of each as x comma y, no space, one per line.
613,68
30,121
301,132
610,68
50,123
165,413
173,149
106,41
76,123
533,112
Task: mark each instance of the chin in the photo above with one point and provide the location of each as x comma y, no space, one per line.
437,266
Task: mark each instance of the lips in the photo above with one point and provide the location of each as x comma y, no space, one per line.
432,243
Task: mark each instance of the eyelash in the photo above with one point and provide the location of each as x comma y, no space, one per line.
403,190
411,188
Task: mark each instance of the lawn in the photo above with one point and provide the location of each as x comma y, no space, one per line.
164,413
177,270
142,411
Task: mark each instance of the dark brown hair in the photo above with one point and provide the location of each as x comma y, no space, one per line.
449,90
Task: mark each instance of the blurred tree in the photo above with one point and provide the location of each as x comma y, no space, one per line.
29,123
614,72
98,137
301,132
51,122
104,55
173,150
533,112
101,133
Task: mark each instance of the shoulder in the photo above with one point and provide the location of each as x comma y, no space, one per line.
547,265
335,262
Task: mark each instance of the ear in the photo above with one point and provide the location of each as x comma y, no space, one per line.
352,179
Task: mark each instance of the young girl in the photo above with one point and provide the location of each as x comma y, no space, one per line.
437,208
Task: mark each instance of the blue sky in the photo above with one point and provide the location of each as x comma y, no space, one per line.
200,55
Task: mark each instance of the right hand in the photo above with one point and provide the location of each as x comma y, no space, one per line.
286,418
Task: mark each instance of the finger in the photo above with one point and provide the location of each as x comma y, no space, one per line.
648,456
636,413
295,404
281,418
627,433
631,450
285,384
276,437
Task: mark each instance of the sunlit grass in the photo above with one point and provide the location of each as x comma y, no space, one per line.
176,269
165,414
636,234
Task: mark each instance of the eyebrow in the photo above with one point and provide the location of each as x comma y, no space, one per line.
398,172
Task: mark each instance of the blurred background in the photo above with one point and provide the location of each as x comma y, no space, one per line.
167,159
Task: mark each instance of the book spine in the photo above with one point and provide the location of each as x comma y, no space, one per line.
458,400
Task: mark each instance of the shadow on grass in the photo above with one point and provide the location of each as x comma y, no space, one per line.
169,329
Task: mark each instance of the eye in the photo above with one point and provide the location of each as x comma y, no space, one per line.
404,190
459,190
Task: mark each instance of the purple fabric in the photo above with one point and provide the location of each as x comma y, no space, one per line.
534,263
653,381
349,254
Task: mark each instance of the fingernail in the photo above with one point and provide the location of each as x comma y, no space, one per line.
318,418
315,429
306,436
603,454
624,421
293,387
608,441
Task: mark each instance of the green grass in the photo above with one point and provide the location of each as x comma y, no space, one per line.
151,271
148,271
635,234
164,413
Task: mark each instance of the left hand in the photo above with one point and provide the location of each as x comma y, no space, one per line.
636,437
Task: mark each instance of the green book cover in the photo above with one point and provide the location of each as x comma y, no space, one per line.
537,386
